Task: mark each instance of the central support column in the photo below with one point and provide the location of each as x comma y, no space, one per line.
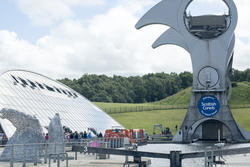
195,118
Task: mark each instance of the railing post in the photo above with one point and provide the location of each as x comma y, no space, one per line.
46,153
54,159
49,161
55,148
175,159
126,157
24,155
75,155
12,155
58,160
178,159
36,158
206,160
67,160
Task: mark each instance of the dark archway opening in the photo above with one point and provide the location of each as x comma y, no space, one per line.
212,130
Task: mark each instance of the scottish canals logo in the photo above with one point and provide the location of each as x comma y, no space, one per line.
208,106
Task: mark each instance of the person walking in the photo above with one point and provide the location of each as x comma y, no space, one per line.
89,135
46,137
85,135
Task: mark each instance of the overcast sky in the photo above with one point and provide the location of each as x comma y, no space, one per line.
67,38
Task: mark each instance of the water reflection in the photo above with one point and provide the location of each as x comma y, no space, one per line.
184,148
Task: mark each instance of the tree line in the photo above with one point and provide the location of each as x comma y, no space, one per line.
137,89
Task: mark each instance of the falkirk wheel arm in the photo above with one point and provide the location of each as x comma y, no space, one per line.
211,54
204,53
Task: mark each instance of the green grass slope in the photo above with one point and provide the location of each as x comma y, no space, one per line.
170,118
131,118
180,98
146,119
240,96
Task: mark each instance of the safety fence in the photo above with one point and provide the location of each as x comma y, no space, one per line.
140,108
126,109
15,155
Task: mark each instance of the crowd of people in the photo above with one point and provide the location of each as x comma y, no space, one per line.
70,135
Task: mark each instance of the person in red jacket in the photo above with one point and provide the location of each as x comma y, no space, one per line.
47,137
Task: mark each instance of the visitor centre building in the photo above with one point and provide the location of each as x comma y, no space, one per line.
42,97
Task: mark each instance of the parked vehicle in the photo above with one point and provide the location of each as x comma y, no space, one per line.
134,135
165,133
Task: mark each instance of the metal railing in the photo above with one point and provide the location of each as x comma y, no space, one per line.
45,152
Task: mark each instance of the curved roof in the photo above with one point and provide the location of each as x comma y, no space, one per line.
38,95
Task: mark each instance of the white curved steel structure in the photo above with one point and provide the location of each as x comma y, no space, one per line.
38,95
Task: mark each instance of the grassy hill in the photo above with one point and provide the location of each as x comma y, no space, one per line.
180,98
171,110
240,96
170,118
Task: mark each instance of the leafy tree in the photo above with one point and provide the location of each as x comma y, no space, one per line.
186,79
137,89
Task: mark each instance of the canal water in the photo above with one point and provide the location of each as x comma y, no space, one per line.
187,148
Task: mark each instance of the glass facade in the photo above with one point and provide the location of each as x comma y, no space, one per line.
38,95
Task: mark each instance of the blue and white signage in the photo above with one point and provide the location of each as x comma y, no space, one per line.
209,106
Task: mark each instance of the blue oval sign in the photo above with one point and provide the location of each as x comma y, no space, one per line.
209,106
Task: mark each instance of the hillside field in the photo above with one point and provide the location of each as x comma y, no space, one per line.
240,99
170,118
171,111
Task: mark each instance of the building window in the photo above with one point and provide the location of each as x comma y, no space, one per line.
49,88
32,83
40,85
58,90
14,78
75,94
24,83
69,93
64,92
